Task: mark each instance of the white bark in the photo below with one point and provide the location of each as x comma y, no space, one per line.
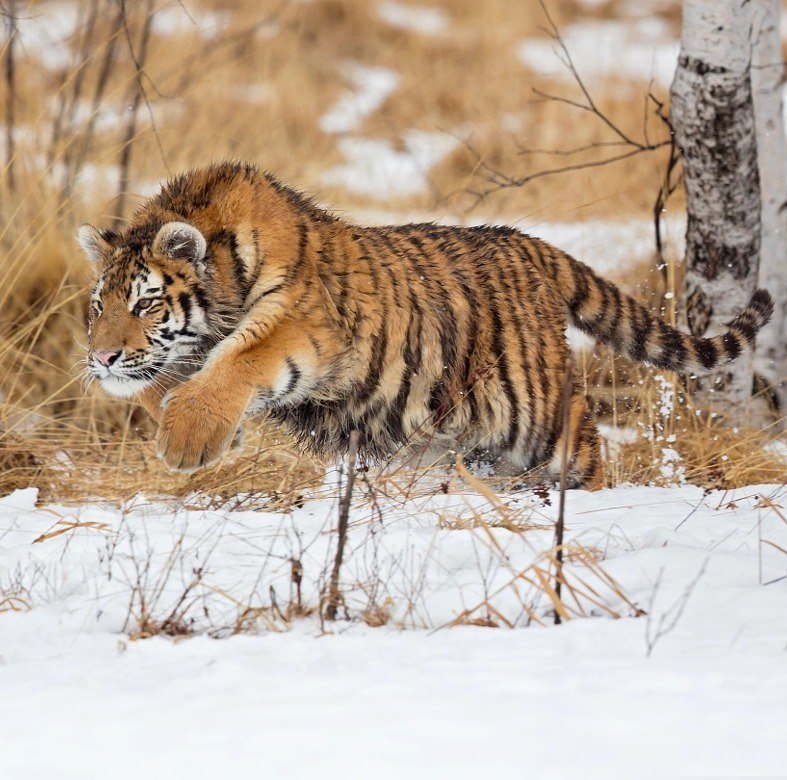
713,118
767,79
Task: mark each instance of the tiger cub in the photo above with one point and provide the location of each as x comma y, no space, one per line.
229,293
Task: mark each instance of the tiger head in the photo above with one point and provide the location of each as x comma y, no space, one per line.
149,309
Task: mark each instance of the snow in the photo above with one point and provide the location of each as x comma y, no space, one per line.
641,50
45,31
374,167
607,246
778,448
416,18
709,697
262,92
179,19
372,86
105,118
92,179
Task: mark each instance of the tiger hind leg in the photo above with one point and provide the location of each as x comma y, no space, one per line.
584,449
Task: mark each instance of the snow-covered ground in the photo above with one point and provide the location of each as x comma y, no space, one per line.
425,20
178,19
45,30
607,246
641,50
375,167
699,686
371,87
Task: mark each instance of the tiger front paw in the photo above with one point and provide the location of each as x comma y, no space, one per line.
197,426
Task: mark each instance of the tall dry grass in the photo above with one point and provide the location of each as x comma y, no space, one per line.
139,100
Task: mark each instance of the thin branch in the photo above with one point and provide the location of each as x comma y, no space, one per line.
499,181
581,84
575,150
564,455
668,619
334,594
12,33
139,95
518,182
107,63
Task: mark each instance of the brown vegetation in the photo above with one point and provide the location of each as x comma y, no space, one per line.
256,87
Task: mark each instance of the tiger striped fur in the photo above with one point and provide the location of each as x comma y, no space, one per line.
229,293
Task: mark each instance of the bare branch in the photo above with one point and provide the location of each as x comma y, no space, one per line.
499,181
560,525
12,33
139,96
334,595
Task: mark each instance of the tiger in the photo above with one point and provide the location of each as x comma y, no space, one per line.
229,294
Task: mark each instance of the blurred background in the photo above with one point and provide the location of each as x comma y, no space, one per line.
384,110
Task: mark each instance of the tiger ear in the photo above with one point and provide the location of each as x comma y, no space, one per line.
96,244
180,241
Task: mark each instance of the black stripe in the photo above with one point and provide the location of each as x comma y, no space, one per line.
300,261
762,303
673,350
596,325
640,330
732,346
295,376
497,263
327,272
526,278
581,285
490,264
264,294
746,329
617,312
255,237
185,304
707,352
505,378
370,385
446,320
411,356
379,351
238,268
202,298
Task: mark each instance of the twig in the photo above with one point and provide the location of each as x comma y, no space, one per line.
669,618
72,79
75,161
334,595
560,526
139,95
498,181
668,186
10,87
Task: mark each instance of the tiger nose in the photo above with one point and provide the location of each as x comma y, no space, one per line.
107,358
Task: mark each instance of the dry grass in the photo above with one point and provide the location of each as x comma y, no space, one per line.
257,87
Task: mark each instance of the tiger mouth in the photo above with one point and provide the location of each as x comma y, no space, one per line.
126,382
123,387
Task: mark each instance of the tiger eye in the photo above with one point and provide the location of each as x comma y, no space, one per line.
143,304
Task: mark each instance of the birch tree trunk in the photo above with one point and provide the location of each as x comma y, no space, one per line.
767,79
712,115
